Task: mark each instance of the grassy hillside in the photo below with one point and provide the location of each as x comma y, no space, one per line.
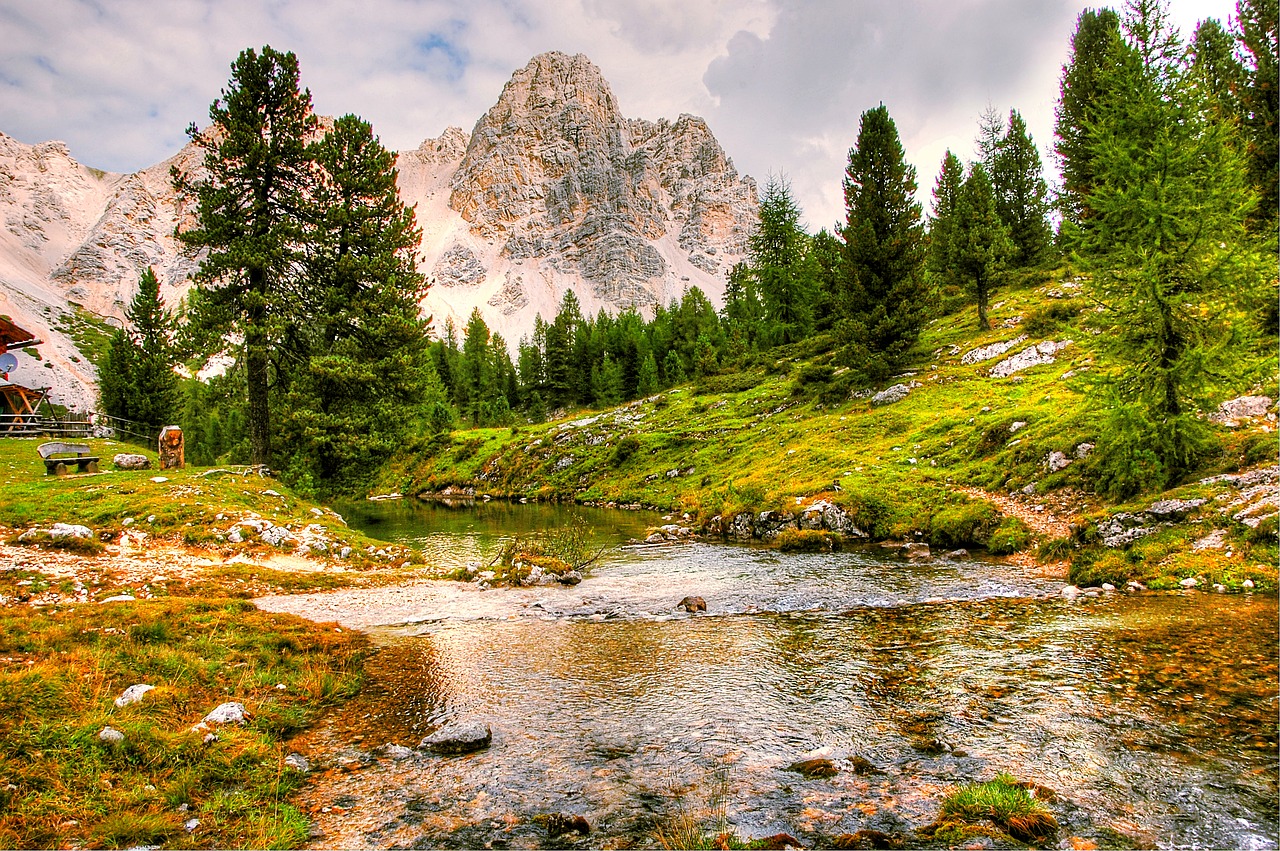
792,432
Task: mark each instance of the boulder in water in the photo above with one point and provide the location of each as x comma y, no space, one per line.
558,824
692,604
818,767
458,737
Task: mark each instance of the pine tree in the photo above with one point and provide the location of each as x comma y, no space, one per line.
1168,254
823,264
981,246
1095,48
1022,197
942,227
743,313
1260,101
136,379
990,135
884,250
647,381
257,176
366,372
777,249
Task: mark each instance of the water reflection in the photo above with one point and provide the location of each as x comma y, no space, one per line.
1154,719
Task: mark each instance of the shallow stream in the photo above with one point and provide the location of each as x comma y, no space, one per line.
1153,718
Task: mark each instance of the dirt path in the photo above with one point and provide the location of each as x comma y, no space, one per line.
1050,517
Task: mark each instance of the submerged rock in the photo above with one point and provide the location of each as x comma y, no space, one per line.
558,824
915,551
867,839
814,768
458,737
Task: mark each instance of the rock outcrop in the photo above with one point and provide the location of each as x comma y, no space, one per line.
554,190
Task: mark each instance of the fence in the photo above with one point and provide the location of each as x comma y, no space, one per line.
78,426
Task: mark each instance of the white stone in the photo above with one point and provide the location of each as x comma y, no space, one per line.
1189,582
227,713
133,694
110,736
159,480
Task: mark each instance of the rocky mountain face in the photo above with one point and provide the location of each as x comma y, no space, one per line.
553,190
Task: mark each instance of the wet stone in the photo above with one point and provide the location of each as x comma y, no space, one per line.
458,737
692,604
818,767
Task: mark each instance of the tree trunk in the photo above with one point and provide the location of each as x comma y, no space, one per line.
257,375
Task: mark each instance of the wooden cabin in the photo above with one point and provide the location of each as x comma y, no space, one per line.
19,405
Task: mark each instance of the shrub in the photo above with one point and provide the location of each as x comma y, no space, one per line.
624,450
1010,537
809,541
966,525
1004,802
1055,549
1049,317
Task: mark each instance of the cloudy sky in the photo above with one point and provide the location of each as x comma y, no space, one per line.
782,83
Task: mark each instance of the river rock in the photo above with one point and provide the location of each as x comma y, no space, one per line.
133,694
915,550
1070,592
227,713
571,577
865,839
396,752
458,737
818,767
692,604
131,461
777,842
957,555
558,824
1247,585
1189,582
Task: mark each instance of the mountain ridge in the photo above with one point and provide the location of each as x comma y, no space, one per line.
553,190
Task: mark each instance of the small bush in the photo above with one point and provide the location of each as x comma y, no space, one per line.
1010,537
1049,317
966,525
809,541
1091,568
1055,549
1004,802
734,382
624,450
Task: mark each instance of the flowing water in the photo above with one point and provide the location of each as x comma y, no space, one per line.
1153,718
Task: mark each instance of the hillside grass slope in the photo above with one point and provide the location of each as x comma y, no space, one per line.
794,430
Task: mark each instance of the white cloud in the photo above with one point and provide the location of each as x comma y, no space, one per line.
781,82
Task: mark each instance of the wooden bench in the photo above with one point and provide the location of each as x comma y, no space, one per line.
59,456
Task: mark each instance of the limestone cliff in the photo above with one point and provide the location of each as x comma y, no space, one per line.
554,189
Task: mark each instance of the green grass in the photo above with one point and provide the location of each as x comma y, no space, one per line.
192,507
60,672
749,441
1004,802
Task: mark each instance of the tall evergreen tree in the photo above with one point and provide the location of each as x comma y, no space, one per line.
777,250
1167,252
884,250
981,246
136,378
1216,68
1260,99
366,375
1022,197
943,224
1095,50
257,176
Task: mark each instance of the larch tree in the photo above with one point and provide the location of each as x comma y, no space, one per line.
257,176
1168,256
136,381
885,300
777,249
981,246
1260,101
